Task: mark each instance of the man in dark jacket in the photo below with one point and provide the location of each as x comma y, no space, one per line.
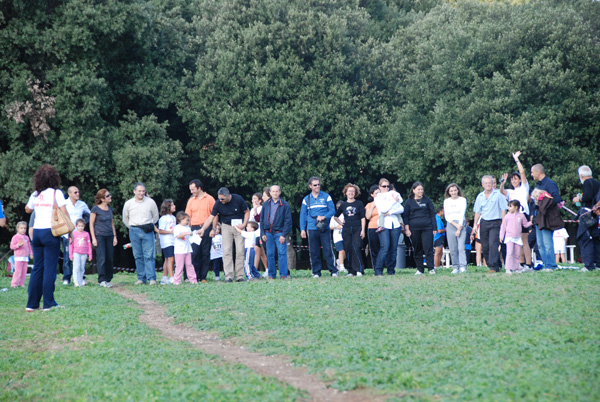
276,224
588,238
544,236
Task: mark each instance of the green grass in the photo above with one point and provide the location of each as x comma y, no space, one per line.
531,337
96,349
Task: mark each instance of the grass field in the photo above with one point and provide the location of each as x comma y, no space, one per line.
533,336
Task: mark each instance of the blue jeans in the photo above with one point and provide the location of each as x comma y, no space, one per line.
546,247
144,252
46,249
66,268
272,245
316,240
388,249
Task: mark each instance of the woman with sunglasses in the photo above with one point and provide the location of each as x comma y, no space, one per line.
391,208
104,236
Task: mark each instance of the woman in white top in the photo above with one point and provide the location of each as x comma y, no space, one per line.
455,207
388,238
519,192
259,252
46,247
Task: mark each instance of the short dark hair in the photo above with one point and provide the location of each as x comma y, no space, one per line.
224,191
438,209
313,178
136,185
515,203
253,225
181,216
197,183
78,221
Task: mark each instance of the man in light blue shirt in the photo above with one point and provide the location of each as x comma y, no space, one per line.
490,206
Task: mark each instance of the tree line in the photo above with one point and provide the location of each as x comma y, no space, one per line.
248,93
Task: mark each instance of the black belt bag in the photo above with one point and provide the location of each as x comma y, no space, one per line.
147,228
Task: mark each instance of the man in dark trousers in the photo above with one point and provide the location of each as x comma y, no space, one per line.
588,238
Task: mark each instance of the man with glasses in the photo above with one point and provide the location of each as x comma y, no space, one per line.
316,212
140,214
234,212
77,210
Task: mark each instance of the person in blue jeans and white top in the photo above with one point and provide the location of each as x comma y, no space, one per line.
276,224
315,214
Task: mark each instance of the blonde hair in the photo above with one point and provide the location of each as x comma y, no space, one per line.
535,194
21,223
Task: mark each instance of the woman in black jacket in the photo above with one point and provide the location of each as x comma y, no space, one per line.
420,226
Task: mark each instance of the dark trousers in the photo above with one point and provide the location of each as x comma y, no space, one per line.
590,250
373,239
46,249
217,266
201,254
104,258
422,240
489,233
352,246
316,240
67,268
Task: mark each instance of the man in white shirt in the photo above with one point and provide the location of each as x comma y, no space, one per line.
77,210
140,214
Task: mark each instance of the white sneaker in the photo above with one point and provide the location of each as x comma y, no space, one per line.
358,274
65,283
418,273
172,280
334,275
342,268
164,280
527,269
509,273
432,272
316,276
584,269
76,284
462,270
217,278
103,284
349,275
455,271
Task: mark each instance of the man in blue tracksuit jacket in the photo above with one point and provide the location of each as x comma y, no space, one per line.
316,207
275,225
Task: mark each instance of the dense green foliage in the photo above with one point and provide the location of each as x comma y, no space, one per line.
248,93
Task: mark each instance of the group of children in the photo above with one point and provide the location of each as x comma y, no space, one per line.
176,239
80,250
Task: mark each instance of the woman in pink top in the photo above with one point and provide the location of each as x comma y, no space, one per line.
22,248
510,231
80,248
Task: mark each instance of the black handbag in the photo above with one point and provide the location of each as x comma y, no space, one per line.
323,225
588,219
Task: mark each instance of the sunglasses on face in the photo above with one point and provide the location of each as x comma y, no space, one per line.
385,186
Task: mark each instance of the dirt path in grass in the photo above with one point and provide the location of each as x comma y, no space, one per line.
269,366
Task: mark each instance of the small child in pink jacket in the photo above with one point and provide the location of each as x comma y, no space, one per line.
22,247
510,232
80,247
